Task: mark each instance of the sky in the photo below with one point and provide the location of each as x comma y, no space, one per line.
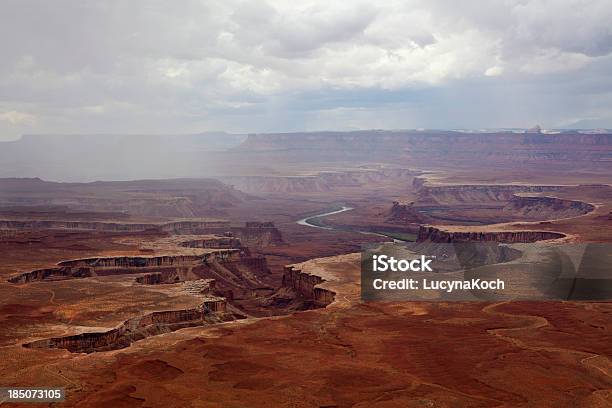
189,66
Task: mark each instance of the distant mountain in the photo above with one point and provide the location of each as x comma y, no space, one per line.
599,123
120,157
411,147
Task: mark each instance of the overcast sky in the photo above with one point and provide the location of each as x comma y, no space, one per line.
261,66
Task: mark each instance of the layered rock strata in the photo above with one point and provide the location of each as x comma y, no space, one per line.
165,267
212,310
432,234
306,285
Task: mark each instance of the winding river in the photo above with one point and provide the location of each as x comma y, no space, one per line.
308,220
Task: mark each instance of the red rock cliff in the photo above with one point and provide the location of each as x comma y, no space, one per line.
306,285
436,235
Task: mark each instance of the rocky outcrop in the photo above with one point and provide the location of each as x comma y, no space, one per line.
194,227
254,234
491,204
216,242
169,267
201,287
319,182
179,227
212,310
152,279
432,234
475,194
540,207
405,213
258,234
127,262
52,274
306,285
234,270
431,146
76,225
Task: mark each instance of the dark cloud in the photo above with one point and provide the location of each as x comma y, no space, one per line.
163,66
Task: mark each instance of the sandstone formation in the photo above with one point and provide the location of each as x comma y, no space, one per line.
427,233
475,194
211,311
168,268
432,145
489,204
323,181
251,234
258,234
51,274
405,213
76,225
216,242
306,285
546,207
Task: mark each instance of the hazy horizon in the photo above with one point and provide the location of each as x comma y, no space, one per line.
220,132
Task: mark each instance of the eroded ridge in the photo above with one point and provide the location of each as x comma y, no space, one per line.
299,291
490,204
254,234
213,310
433,234
306,285
230,282
168,264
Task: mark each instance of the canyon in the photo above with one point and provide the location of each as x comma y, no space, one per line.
211,311
209,288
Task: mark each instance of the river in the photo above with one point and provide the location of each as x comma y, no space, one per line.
309,222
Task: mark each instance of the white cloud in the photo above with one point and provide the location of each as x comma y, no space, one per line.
17,118
494,71
552,61
212,60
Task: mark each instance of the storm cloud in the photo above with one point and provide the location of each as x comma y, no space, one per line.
256,66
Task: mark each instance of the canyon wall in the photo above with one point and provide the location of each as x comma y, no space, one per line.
546,207
175,227
433,146
134,261
216,242
432,234
170,265
212,310
51,274
76,225
257,234
475,194
306,285
405,213
320,182
489,204
193,227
